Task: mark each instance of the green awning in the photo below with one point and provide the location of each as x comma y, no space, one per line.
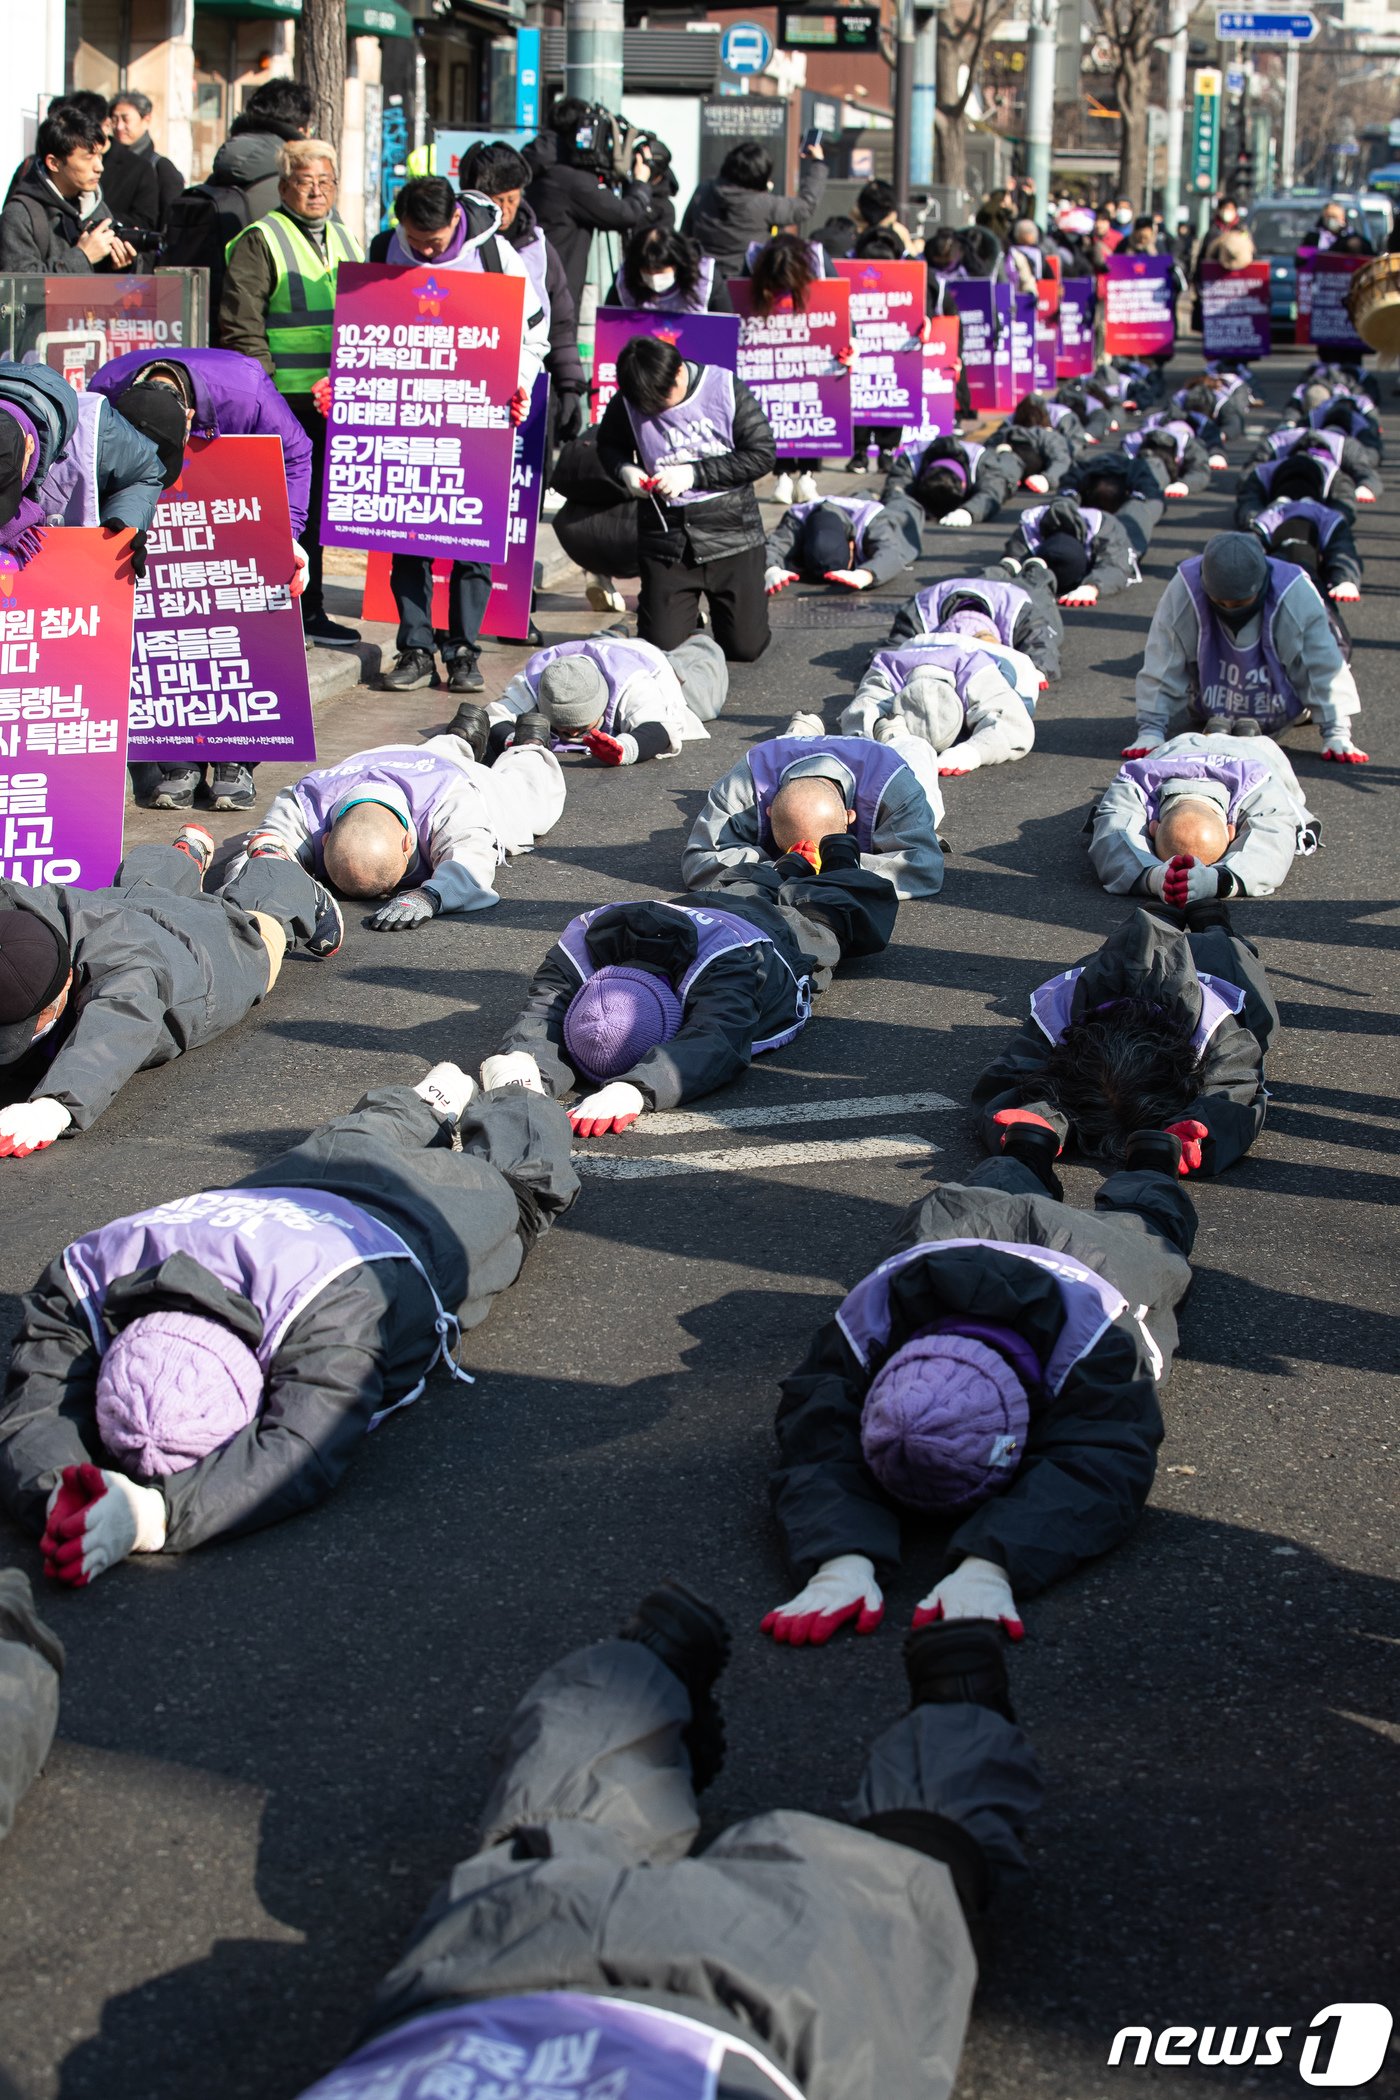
283,10
377,18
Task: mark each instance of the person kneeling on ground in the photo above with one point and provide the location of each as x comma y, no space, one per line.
212,1365
620,700
1199,817
842,539
1159,1029
947,690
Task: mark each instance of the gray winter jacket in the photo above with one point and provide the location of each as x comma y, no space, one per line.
1272,823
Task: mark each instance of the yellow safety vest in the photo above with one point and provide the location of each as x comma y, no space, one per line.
303,298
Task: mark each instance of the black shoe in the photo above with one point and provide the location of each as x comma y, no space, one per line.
473,726
1037,1149
886,462
175,788
533,728
412,670
325,633
691,1638
958,1662
857,464
464,675
1154,1151
330,924
1037,571
1211,911
231,787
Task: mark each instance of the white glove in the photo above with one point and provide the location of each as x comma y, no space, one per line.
302,569
95,1519
511,1068
841,1589
1156,879
776,578
1004,448
1144,740
1365,495
1217,462
30,1126
976,1589
956,517
1176,488
1037,484
853,579
1344,594
1201,882
632,479
1085,594
959,759
674,480
614,1107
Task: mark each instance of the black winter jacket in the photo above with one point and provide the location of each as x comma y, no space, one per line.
39,230
989,486
1113,561
699,532
571,204
725,220
892,541
1044,452
1139,475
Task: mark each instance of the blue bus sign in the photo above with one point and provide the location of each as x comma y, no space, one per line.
1236,25
746,47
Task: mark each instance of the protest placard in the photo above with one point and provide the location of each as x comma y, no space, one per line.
90,320
218,667
420,445
1140,306
1304,264
65,643
1235,311
789,359
705,339
939,363
887,309
1330,322
985,312
1075,357
1022,345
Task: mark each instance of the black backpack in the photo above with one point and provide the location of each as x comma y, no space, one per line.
202,222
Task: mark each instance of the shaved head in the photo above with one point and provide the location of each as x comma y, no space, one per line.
810,807
1197,828
366,851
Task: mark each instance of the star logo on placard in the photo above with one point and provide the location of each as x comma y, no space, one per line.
671,335
869,279
9,570
431,297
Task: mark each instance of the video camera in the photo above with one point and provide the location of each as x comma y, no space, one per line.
143,238
603,143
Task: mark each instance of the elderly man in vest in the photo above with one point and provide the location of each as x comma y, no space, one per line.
790,793
654,1003
968,698
1243,642
70,459
1023,614
1201,816
278,299
619,700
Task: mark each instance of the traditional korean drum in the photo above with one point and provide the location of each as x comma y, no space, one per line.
1373,302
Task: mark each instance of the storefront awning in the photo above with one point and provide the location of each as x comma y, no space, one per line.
250,10
377,18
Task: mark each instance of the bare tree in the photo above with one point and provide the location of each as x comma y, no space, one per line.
321,64
1130,28
963,31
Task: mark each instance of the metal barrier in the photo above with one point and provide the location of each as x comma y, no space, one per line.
77,323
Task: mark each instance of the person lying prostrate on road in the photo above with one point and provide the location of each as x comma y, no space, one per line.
622,700
1343,412
1000,1369
650,1005
1222,398
1238,635
1354,476
1091,407
213,1364
1322,380
1043,454
1301,477
952,480
1163,1028
98,985
1088,552
1201,816
31,1664
1016,668
789,791
843,539
424,826
1174,452
1023,613
1317,537
949,690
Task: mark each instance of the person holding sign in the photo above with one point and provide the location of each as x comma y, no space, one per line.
688,442
621,700
98,985
954,481
651,1005
70,459
1204,815
842,539
1241,636
213,1365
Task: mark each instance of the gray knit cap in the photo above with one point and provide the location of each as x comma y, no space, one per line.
573,692
1234,567
931,707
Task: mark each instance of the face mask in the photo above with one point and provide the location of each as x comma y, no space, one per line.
1240,615
659,280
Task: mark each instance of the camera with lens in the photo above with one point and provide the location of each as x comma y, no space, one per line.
602,143
145,239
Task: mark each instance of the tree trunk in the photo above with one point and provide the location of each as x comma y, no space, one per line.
1133,89
950,123
321,64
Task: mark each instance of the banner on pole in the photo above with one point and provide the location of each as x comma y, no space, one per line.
887,311
705,339
790,361
65,622
1235,320
1139,306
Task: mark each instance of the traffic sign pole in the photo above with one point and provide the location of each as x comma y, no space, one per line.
1288,151
1205,134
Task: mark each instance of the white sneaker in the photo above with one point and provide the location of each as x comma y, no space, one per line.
447,1089
603,595
782,489
806,488
553,503
805,725
511,1068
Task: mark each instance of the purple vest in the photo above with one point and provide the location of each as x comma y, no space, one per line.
701,428
278,1248
1005,602
960,659
1030,525
1234,677
1032,255
963,449
1282,442
1059,414
1323,515
1265,474
423,779
872,766
1090,1302
1052,1005
68,491
619,661
675,301
1360,424
1240,775
534,254
719,933
859,510
1180,434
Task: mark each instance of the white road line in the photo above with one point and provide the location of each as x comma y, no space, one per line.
824,1111
602,1166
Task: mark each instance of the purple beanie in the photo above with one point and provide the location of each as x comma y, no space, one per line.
944,1423
173,1387
967,621
617,1017
945,462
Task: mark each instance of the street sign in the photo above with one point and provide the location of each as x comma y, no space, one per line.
746,47
1234,80
1205,130
1247,28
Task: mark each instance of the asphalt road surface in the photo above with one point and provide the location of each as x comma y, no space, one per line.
271,1752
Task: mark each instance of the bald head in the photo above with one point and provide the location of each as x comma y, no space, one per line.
810,807
1197,828
366,851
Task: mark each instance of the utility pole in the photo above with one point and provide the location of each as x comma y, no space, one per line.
593,51
1176,112
904,50
1042,44
1289,153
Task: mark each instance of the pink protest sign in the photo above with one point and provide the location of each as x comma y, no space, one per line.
1140,306
790,360
90,320
65,628
1023,380
420,445
1075,357
1329,320
706,339
939,371
985,312
218,666
887,310
1235,311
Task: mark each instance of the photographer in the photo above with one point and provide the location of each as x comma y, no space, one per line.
571,194
727,215
55,222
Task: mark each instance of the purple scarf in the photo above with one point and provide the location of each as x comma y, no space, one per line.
22,536
400,253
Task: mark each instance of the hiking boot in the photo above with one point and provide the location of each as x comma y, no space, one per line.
958,1662
691,1639
412,670
175,788
231,787
473,726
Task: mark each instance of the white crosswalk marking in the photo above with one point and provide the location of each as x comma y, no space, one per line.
750,1159
847,1109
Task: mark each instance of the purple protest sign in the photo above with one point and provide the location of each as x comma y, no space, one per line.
939,358
1045,350
1302,321
218,666
985,312
420,445
1330,321
1140,306
705,339
792,361
1235,311
65,628
1022,345
1075,356
887,308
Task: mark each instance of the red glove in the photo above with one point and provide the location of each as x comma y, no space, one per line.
322,395
924,331
954,772
61,1544
519,405
606,749
1136,750
846,355
809,851
1007,1116
1044,685
1353,757
1193,1136
1175,889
